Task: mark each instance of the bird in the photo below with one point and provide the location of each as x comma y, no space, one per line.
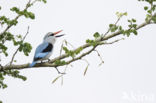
45,49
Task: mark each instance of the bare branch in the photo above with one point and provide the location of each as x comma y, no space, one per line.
102,61
59,71
85,71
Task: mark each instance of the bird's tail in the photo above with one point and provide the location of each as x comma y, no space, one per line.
33,64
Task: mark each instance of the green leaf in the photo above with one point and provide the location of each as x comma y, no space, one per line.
135,32
154,7
154,19
96,35
119,15
125,13
78,50
15,9
87,41
113,28
148,16
27,48
1,76
13,22
145,8
70,52
129,21
149,11
59,62
2,84
21,48
15,74
65,49
120,28
4,49
111,25
91,42
9,36
134,26
133,20
31,15
45,1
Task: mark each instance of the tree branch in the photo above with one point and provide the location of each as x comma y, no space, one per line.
17,17
114,24
99,41
29,4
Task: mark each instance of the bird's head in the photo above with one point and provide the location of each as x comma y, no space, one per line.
51,36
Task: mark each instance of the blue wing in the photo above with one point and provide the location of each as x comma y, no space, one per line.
43,50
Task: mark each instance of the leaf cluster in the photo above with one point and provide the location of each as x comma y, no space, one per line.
93,43
7,21
150,9
72,53
23,12
17,40
132,28
12,73
59,62
25,48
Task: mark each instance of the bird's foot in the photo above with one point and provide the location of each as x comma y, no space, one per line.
42,61
48,60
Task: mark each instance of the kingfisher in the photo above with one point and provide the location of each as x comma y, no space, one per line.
45,49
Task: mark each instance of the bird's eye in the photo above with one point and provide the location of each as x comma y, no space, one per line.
51,34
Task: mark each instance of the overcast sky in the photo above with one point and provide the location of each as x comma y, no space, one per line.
127,76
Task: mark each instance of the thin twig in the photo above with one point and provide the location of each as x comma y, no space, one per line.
85,71
70,44
19,46
110,28
34,2
67,43
81,56
63,74
61,47
59,71
114,41
102,61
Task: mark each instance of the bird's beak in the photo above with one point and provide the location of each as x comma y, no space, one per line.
57,33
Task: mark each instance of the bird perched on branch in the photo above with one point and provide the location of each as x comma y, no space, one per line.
45,49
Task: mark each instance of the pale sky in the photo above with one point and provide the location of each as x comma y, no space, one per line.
127,76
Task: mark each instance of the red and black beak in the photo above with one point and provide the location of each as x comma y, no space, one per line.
57,33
